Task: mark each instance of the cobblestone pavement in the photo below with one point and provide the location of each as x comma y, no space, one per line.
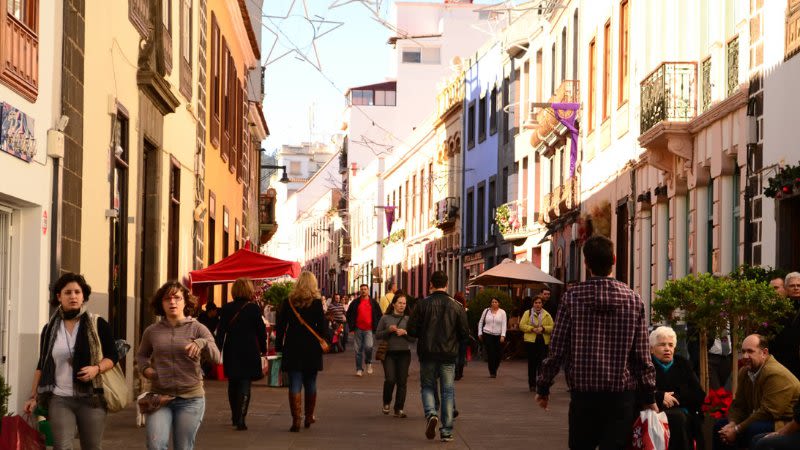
495,413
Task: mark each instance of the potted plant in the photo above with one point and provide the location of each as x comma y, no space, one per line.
277,293
786,182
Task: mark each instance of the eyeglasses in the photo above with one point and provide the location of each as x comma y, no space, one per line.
176,297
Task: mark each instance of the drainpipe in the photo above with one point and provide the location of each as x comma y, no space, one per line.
632,229
55,221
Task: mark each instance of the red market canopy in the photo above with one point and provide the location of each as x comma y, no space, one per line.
243,263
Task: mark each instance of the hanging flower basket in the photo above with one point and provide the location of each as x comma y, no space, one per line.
785,183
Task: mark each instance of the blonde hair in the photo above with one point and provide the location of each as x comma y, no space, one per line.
305,290
243,289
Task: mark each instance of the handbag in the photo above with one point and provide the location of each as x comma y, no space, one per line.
383,346
18,434
650,431
149,402
322,342
115,387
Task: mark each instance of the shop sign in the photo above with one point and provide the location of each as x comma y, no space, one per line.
16,133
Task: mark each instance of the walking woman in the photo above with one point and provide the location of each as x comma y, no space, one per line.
300,321
492,332
66,381
392,328
169,356
537,324
242,336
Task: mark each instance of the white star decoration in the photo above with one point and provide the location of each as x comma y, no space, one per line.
320,26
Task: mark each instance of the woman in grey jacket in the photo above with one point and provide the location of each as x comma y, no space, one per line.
392,328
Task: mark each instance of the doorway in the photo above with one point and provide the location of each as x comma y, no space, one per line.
5,278
788,257
148,256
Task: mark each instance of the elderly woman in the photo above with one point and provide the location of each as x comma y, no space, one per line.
678,391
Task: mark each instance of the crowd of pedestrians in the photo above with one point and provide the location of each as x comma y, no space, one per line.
613,366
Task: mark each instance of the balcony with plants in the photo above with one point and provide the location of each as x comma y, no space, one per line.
445,213
512,220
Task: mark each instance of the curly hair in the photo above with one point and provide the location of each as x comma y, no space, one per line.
63,281
169,288
305,290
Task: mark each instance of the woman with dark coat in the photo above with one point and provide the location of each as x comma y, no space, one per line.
302,353
678,391
242,336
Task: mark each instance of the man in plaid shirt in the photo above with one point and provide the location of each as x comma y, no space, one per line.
600,337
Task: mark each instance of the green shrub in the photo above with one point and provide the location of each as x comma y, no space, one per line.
277,293
5,392
481,301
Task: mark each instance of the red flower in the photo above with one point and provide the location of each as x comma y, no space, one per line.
717,403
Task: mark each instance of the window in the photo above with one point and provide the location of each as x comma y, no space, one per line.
482,119
431,56
592,73
517,96
493,112
505,110
412,56
539,75
295,168
186,49
710,228
469,238
492,198
526,90
563,73
505,185
606,70
736,215
166,15
20,49
362,98
624,26
215,81
553,69
575,46
118,242
471,125
373,98
391,98
481,222
173,239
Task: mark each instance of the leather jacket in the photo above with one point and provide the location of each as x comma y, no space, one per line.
440,324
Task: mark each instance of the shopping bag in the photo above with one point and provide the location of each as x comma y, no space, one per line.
18,434
264,366
650,431
275,379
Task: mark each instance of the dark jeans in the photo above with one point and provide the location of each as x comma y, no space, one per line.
744,437
603,419
462,360
236,389
493,352
69,413
299,380
395,370
536,352
789,442
681,429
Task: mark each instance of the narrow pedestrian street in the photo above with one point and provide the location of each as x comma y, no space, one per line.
495,413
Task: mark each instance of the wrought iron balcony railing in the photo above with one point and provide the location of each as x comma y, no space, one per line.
669,93
445,212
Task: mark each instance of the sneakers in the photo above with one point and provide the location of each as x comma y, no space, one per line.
359,373
369,369
400,413
385,409
447,437
430,428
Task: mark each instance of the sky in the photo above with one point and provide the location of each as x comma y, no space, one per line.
302,103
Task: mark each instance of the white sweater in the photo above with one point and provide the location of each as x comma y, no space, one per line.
492,323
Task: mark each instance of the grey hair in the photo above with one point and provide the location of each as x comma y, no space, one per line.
660,332
790,276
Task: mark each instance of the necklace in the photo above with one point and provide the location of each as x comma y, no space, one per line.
70,345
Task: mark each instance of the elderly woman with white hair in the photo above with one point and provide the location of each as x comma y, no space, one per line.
678,391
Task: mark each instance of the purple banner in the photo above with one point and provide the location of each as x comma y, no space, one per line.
389,211
566,113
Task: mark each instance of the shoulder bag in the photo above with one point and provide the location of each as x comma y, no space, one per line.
322,342
115,388
383,346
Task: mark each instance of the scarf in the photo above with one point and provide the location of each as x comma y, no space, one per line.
87,335
538,317
664,366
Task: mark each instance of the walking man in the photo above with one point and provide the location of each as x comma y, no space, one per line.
387,298
601,337
363,316
440,324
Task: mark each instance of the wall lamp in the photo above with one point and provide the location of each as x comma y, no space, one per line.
284,179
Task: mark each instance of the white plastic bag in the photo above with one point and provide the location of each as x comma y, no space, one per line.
650,431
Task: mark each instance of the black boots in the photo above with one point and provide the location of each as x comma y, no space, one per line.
243,404
297,414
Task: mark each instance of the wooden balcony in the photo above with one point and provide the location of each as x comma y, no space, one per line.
569,198
545,119
20,58
555,200
544,217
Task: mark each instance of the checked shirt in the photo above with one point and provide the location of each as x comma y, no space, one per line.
600,338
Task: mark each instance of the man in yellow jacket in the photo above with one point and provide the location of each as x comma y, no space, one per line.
537,324
764,398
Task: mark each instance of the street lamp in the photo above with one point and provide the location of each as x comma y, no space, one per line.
284,179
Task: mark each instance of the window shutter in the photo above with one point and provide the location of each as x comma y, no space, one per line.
215,72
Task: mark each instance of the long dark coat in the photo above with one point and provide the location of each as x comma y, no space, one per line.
301,350
244,340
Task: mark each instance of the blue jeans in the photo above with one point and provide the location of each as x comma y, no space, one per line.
182,417
299,380
429,371
744,437
364,341
67,413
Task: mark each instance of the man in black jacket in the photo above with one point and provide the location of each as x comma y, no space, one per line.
440,324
